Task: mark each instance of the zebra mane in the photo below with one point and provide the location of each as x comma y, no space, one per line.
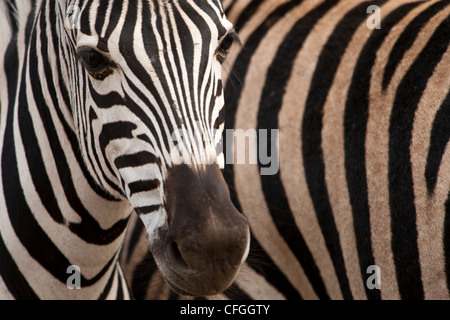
8,10
12,15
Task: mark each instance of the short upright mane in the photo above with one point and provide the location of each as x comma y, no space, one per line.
12,15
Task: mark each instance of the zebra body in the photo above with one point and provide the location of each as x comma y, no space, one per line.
360,113
95,97
362,116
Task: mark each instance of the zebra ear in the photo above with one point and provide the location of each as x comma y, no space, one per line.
70,11
63,7
65,4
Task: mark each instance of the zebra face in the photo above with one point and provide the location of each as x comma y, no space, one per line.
147,102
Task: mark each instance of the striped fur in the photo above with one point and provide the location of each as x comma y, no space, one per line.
363,145
89,112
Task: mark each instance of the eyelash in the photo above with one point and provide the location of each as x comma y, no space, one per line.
225,45
95,62
98,65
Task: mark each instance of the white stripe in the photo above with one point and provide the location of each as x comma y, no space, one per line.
4,292
154,221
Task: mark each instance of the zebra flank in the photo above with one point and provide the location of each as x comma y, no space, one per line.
111,110
359,208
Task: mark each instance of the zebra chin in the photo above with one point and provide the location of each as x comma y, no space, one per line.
206,241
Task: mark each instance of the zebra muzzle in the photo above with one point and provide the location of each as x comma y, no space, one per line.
208,238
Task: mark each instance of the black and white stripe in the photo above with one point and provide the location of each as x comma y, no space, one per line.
363,146
360,115
88,117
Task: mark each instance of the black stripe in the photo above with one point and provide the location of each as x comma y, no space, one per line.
13,192
312,125
114,17
71,136
14,280
21,217
247,13
85,26
407,38
11,67
141,72
89,282
20,214
136,160
176,69
112,131
105,101
33,153
143,186
100,18
92,115
147,209
186,53
232,95
234,292
188,50
116,130
12,8
440,135
221,116
136,232
206,35
60,159
89,229
91,232
228,9
142,276
151,125
120,288
108,286
355,126
401,191
93,140
262,263
152,50
206,109
145,138
207,76
30,21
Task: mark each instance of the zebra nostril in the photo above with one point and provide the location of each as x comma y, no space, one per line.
175,256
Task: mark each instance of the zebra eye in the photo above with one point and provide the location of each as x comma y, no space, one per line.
226,44
92,60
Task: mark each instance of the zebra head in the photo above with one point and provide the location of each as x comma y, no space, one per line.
146,96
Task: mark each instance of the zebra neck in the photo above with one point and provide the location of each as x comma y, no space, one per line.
52,214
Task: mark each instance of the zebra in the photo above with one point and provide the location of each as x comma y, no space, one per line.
111,109
360,92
